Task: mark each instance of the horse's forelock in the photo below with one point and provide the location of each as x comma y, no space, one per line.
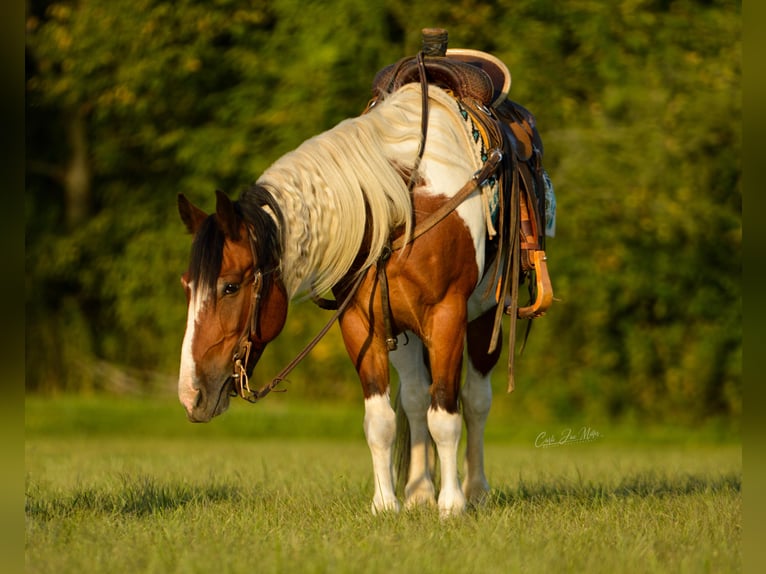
207,257
207,248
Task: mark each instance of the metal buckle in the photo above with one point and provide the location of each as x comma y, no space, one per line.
241,380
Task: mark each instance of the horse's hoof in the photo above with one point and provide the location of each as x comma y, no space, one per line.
476,493
421,494
453,505
420,499
451,512
386,506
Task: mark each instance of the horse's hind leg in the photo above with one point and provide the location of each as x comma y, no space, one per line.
476,397
413,390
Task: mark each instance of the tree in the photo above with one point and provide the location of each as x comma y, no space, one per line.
638,103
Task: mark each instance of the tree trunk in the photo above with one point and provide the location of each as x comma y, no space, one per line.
78,173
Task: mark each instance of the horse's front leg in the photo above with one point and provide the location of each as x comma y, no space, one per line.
380,430
371,360
446,334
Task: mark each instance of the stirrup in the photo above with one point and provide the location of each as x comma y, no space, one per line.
544,296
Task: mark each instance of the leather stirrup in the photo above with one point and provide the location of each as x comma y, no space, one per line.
544,289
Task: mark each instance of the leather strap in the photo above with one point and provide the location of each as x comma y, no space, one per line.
255,396
495,156
391,343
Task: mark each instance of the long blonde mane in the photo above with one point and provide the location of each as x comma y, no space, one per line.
347,182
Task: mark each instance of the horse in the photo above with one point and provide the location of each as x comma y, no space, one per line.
321,219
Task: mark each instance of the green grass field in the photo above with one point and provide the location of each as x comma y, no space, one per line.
129,486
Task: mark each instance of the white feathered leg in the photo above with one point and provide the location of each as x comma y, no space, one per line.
380,429
414,382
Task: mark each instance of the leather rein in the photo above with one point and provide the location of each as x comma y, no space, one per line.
244,346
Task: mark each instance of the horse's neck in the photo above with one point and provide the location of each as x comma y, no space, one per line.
323,229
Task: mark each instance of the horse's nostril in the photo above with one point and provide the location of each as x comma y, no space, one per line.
197,400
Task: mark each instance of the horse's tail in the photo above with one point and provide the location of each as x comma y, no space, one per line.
401,445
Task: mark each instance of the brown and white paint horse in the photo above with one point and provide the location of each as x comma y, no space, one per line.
314,218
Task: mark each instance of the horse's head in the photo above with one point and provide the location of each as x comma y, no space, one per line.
236,300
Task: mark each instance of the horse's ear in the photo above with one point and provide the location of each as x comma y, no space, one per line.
191,215
227,217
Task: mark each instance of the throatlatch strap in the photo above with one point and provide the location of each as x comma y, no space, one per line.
385,303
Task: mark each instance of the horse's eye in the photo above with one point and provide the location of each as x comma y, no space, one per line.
230,288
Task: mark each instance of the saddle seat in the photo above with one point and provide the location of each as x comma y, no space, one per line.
466,73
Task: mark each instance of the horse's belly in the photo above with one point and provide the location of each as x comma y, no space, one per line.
482,299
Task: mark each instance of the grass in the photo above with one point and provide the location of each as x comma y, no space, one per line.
281,495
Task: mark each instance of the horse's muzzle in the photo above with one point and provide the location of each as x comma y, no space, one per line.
202,405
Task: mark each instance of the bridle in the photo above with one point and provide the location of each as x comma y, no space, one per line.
244,345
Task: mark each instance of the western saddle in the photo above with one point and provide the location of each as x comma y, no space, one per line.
480,82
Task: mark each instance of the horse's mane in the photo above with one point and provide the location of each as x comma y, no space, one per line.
339,192
345,187
264,217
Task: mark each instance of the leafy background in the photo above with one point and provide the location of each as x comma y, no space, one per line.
639,104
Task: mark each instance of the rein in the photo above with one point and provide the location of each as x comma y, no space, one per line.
481,176
245,345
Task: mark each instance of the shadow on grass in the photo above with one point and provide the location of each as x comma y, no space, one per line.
643,485
141,496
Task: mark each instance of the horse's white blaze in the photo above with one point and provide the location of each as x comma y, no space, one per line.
445,429
187,386
476,396
380,430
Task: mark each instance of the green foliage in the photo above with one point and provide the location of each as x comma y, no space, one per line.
638,103
648,257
